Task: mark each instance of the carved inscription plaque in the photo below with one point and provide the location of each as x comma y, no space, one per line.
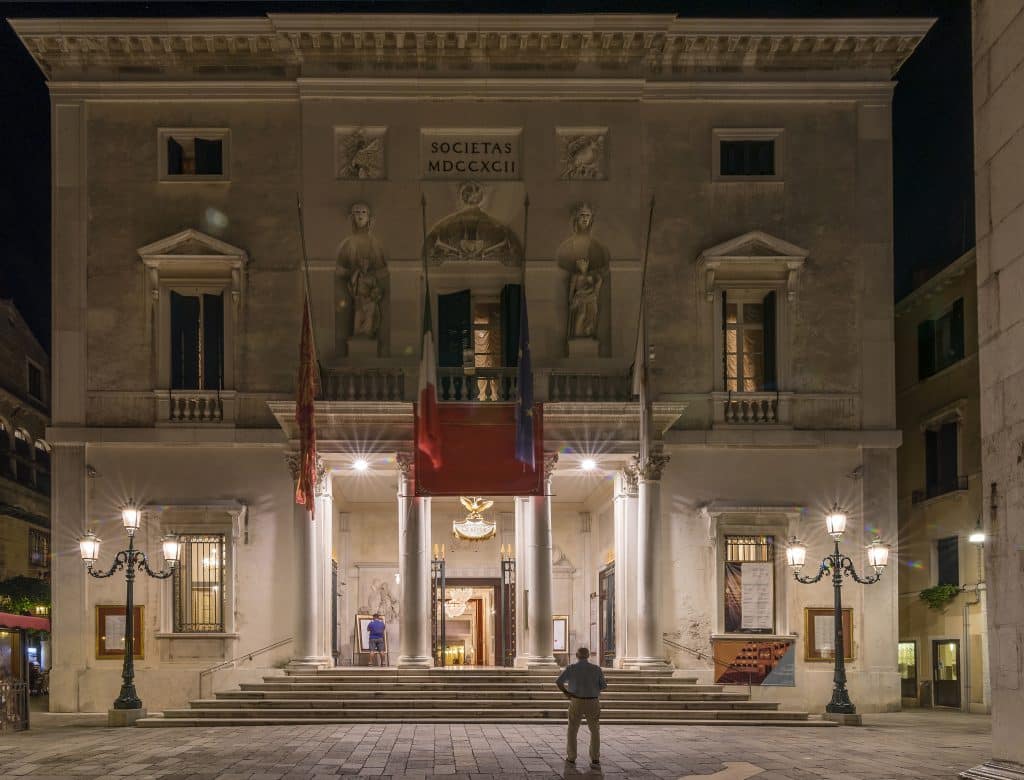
492,153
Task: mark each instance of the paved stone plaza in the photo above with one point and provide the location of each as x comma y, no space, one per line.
896,745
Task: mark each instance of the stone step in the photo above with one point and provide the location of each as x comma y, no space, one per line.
383,695
455,704
464,672
283,684
373,714
460,679
206,722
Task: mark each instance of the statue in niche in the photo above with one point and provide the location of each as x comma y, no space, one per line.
584,289
361,259
587,262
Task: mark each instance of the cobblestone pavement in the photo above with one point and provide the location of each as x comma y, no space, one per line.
895,745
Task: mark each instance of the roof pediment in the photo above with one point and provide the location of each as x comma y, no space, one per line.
191,243
752,259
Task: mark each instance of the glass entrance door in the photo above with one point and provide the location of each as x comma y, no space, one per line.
606,619
946,672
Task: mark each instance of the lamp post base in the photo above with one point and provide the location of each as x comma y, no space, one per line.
843,718
118,718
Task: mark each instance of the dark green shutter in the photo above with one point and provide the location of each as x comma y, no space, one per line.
771,381
453,333
173,157
725,341
209,157
956,327
931,462
510,325
213,342
925,349
948,457
184,342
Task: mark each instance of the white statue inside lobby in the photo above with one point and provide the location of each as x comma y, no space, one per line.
361,259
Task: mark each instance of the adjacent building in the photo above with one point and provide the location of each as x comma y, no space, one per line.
180,149
943,652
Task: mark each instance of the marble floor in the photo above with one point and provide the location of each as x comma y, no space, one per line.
920,744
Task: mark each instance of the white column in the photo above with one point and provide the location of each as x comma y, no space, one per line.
414,573
539,599
523,531
324,542
624,521
307,654
648,541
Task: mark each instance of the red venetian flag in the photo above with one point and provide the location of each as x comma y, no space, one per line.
304,414
428,422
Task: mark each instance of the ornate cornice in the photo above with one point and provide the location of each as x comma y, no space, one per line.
602,45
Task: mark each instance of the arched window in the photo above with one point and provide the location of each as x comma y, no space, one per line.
43,466
23,456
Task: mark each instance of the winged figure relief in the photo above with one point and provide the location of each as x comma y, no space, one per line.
475,505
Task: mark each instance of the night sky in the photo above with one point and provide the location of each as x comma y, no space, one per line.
933,145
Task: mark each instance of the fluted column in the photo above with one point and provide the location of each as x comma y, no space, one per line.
414,572
624,519
539,652
325,548
648,540
306,651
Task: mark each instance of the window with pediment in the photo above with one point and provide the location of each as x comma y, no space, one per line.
196,291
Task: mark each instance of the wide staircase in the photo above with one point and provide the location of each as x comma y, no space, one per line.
467,695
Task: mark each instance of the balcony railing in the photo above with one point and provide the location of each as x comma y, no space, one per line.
370,384
952,485
195,407
588,386
476,384
751,409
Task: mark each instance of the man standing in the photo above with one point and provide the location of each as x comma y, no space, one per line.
375,628
582,683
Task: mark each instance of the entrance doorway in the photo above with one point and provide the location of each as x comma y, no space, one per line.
606,616
946,672
469,629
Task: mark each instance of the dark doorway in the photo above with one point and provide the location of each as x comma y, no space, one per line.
946,672
606,615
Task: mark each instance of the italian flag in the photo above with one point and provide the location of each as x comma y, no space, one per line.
428,423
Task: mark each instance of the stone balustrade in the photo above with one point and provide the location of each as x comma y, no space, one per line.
195,406
366,384
568,385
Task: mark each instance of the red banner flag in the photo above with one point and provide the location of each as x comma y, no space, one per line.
428,427
304,414
478,450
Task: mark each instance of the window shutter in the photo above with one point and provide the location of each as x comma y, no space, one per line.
771,383
510,325
213,342
184,342
725,342
931,461
956,327
453,313
948,465
925,349
173,157
208,157
949,561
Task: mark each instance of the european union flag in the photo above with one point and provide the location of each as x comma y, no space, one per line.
524,404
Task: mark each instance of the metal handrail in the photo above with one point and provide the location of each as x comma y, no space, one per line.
701,655
246,657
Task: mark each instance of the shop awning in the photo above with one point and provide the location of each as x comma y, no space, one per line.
24,621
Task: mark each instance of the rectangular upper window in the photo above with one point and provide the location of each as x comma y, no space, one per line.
193,154
38,548
941,460
35,381
197,341
748,322
740,154
940,342
949,561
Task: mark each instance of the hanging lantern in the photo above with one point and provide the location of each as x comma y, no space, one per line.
475,527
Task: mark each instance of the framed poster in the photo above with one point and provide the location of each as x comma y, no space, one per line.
819,633
363,633
110,620
560,633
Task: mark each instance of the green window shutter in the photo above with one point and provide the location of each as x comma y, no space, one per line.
510,325
209,157
925,349
771,383
213,342
184,342
453,332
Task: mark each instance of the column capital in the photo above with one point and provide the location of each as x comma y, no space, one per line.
550,459
650,470
629,478
404,461
323,476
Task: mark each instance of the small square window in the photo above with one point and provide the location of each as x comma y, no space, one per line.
193,154
742,154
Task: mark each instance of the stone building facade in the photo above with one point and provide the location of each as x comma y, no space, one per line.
180,147
24,450
943,654
999,196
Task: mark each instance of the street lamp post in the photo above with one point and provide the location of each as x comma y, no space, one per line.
128,706
835,564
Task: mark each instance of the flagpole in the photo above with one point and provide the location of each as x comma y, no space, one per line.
306,287
641,335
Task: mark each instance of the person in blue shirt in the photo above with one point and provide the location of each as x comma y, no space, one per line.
376,630
582,683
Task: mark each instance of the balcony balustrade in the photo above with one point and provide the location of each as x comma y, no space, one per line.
195,407
368,384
